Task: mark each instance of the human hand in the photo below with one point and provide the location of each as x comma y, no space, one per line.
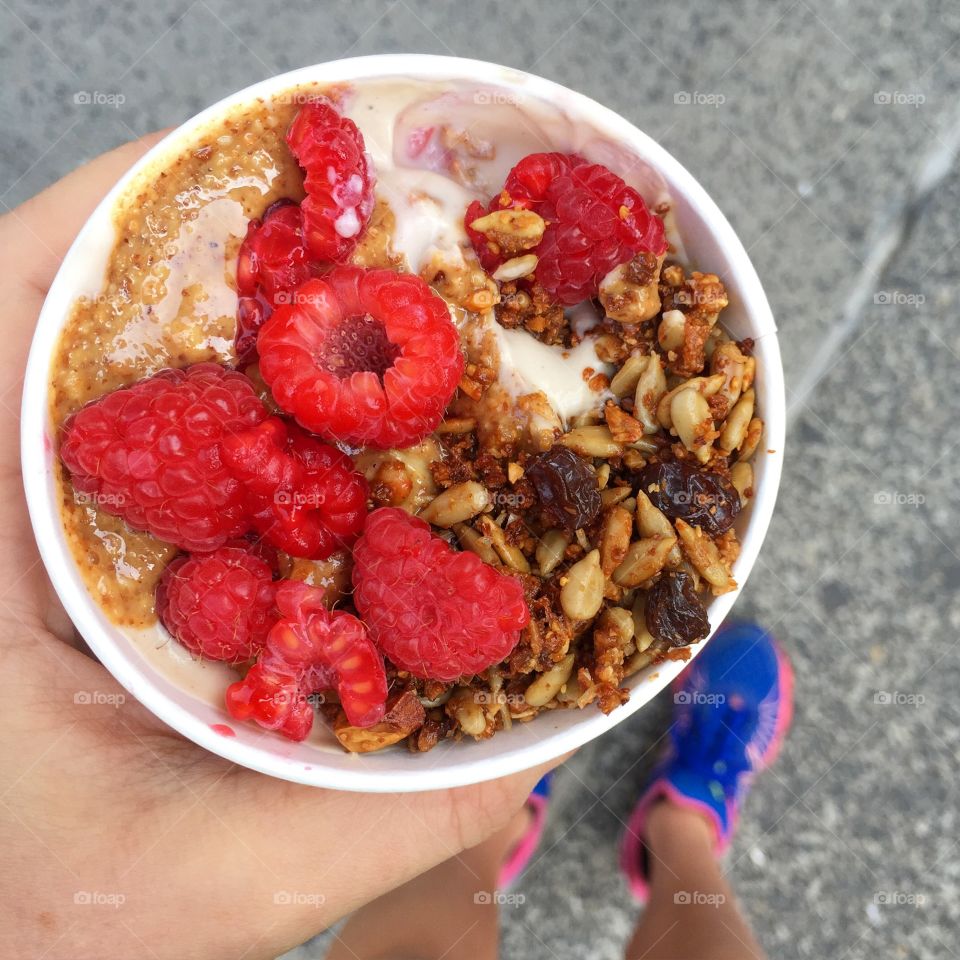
119,837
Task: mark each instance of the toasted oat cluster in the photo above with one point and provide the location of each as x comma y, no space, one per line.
387,513
620,526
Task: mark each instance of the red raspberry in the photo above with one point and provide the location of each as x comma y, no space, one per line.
272,263
219,605
487,253
438,613
151,453
339,179
304,496
595,222
363,356
311,649
255,544
527,183
525,187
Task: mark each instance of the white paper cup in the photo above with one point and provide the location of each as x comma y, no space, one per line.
711,245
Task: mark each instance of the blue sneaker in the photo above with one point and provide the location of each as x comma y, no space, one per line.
733,708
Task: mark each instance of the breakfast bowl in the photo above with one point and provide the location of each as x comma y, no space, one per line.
440,133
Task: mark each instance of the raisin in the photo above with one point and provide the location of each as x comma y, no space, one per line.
703,499
567,487
674,612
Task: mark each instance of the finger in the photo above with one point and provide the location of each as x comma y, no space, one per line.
38,233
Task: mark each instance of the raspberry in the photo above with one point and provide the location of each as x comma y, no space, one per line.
363,356
219,605
151,453
303,496
310,649
528,182
262,550
272,263
487,253
339,179
524,188
435,612
595,222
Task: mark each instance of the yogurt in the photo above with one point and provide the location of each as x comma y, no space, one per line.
435,150
528,366
435,147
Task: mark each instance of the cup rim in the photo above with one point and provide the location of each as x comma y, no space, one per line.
417,776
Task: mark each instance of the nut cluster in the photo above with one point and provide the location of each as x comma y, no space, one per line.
619,522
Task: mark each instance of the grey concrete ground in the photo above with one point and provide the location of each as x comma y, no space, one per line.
834,153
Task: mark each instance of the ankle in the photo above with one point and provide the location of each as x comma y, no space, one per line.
671,827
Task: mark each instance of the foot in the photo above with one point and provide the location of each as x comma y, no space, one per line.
733,707
520,852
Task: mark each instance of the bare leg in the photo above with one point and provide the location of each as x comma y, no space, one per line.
692,913
448,912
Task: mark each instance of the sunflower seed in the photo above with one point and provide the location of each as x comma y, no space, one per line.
456,504
549,683
581,595
644,559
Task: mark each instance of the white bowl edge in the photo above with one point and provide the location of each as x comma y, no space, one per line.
551,734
